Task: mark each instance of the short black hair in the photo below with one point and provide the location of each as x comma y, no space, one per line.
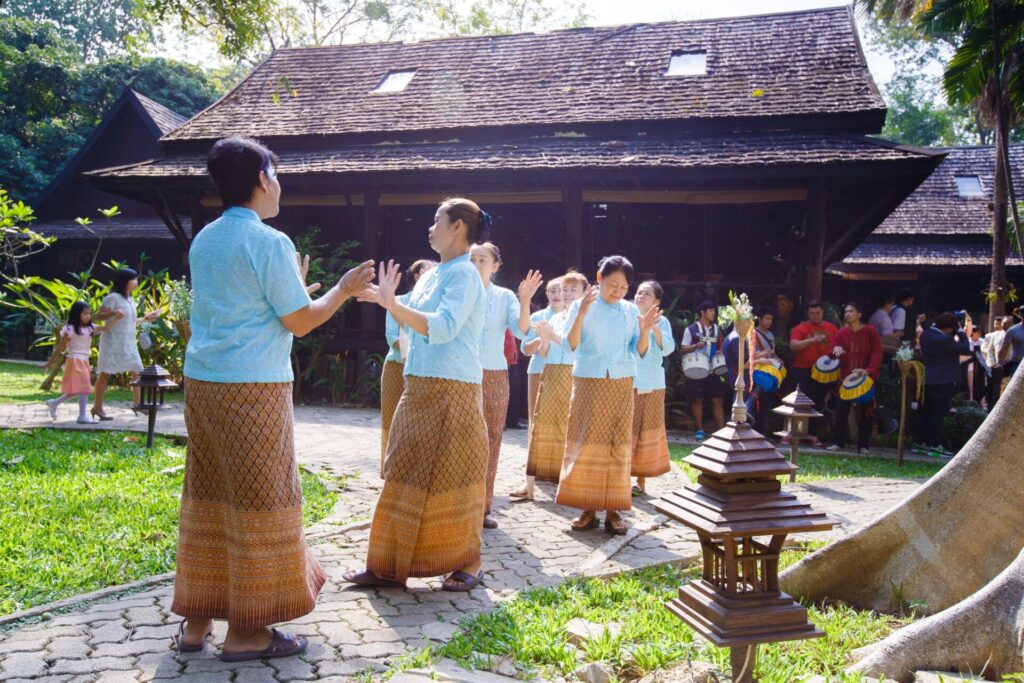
235,164
904,294
765,310
121,280
615,264
705,305
856,304
814,303
946,321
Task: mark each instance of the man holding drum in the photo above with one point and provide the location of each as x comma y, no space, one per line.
859,349
704,338
810,340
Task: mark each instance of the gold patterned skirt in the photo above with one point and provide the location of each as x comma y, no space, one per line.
550,419
242,554
532,387
391,386
495,388
598,445
650,442
430,513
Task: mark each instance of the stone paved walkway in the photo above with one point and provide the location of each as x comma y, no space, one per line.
127,638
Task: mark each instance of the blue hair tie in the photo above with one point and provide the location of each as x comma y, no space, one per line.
485,220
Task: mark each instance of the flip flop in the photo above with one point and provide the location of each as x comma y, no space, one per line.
368,578
281,645
469,582
637,491
182,646
577,526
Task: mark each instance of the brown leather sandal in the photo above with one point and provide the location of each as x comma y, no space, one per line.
614,525
588,520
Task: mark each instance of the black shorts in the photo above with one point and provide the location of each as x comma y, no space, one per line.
712,386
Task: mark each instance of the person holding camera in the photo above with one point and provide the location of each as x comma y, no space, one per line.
941,348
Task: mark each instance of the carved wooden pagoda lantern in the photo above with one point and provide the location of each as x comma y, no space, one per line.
797,410
153,382
737,500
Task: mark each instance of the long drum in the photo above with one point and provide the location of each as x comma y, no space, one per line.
696,365
718,365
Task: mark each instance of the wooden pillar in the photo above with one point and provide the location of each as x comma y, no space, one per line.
572,210
742,660
814,242
370,246
198,215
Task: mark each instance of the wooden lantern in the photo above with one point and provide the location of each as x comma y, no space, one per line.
153,382
737,499
797,410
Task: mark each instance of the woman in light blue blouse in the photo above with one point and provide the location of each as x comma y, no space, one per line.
430,512
605,331
503,310
650,443
391,382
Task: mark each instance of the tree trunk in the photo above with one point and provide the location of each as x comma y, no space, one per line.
943,543
983,635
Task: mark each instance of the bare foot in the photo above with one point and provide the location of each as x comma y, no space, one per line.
196,631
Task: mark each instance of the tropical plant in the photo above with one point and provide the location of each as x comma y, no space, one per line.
17,240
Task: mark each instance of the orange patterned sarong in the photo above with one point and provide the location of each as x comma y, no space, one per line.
650,443
598,445
550,419
242,554
391,386
430,513
495,388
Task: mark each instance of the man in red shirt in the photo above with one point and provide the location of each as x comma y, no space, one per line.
859,349
810,340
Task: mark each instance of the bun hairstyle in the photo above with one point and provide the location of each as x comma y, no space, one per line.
493,250
478,222
615,264
418,267
659,291
572,277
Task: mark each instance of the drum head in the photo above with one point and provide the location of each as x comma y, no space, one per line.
827,364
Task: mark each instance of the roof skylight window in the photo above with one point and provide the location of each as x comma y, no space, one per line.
969,186
395,81
687,64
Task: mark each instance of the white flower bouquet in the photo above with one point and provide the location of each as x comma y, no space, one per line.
738,310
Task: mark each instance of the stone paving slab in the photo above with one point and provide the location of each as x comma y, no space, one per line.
358,630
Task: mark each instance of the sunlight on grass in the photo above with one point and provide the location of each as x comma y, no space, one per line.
19,383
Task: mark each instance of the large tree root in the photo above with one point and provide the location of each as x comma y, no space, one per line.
944,542
984,634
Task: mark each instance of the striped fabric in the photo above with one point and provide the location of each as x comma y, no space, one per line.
547,429
650,443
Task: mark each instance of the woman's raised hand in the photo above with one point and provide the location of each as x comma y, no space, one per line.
649,319
588,298
530,284
388,277
355,281
544,330
304,271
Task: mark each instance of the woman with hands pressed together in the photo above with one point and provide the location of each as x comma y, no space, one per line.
430,513
605,331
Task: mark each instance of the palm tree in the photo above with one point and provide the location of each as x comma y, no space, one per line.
986,71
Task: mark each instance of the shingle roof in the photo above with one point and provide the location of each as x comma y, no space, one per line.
921,254
560,153
936,208
165,119
119,228
801,63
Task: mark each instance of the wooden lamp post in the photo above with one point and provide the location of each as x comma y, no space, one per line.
737,602
798,410
153,382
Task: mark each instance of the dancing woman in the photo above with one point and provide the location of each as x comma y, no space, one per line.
605,331
650,442
430,512
503,310
536,348
551,416
391,382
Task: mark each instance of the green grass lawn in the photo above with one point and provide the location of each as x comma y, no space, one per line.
531,628
80,511
814,467
19,383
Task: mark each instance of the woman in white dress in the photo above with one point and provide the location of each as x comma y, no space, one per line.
119,346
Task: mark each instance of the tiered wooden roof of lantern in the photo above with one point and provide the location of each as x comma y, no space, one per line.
737,498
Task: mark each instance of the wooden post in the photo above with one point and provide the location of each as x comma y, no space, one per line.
794,452
814,242
572,210
742,660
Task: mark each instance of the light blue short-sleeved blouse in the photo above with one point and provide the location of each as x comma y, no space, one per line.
501,312
608,340
537,361
391,332
245,277
650,369
452,298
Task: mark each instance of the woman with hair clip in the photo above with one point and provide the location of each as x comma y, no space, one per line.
391,382
503,310
546,446
650,442
604,331
536,348
429,516
119,346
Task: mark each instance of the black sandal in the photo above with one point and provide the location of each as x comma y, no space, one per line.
369,579
281,645
469,582
182,646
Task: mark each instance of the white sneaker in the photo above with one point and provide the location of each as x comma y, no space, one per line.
833,448
88,420
51,406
